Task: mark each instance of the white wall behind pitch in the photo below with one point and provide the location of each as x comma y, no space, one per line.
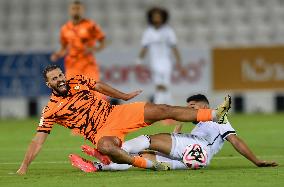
14,107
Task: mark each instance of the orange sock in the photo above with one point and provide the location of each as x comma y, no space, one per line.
204,115
139,162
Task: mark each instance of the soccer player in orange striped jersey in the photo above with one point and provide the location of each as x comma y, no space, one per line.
80,38
74,105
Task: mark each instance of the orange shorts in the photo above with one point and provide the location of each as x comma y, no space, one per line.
122,120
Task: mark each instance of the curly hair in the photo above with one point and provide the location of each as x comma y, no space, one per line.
163,12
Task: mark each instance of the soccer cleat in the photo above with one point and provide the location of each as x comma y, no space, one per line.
82,164
222,110
98,165
95,153
161,166
225,119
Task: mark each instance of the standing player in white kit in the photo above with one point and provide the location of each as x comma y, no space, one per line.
183,150
159,40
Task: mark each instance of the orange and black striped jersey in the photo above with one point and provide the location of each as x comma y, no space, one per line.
79,110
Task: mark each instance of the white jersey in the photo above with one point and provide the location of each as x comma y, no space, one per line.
210,135
159,43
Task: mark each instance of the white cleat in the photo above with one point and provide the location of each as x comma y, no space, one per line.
222,110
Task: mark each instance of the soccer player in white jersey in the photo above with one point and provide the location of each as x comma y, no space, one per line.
173,149
159,41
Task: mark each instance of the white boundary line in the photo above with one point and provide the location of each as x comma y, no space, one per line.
238,157
41,162
215,158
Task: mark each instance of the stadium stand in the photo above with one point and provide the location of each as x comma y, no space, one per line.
33,24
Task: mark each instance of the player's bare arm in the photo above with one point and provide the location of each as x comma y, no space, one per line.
244,150
32,151
141,55
101,45
112,92
143,52
178,60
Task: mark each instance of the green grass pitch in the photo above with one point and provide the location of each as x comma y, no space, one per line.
263,133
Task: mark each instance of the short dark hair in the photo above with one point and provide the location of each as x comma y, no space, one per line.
163,12
197,97
48,69
77,2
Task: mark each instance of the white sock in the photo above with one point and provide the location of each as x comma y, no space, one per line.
137,144
117,167
214,115
174,164
112,166
168,98
158,97
149,163
163,97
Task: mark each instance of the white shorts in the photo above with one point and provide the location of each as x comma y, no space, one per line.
181,141
162,76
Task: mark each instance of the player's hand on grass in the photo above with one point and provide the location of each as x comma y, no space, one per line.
131,95
22,171
263,163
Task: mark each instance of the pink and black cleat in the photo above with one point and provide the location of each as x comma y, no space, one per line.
82,164
95,153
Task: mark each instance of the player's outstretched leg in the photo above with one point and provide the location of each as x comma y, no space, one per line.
153,113
89,166
110,146
158,142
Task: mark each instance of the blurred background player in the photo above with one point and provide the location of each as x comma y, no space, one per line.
80,38
159,40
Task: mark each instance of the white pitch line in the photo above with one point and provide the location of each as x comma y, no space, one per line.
215,158
43,162
238,157
45,149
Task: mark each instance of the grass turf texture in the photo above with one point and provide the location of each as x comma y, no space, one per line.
263,133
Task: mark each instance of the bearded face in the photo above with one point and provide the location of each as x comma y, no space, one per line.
57,82
76,12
